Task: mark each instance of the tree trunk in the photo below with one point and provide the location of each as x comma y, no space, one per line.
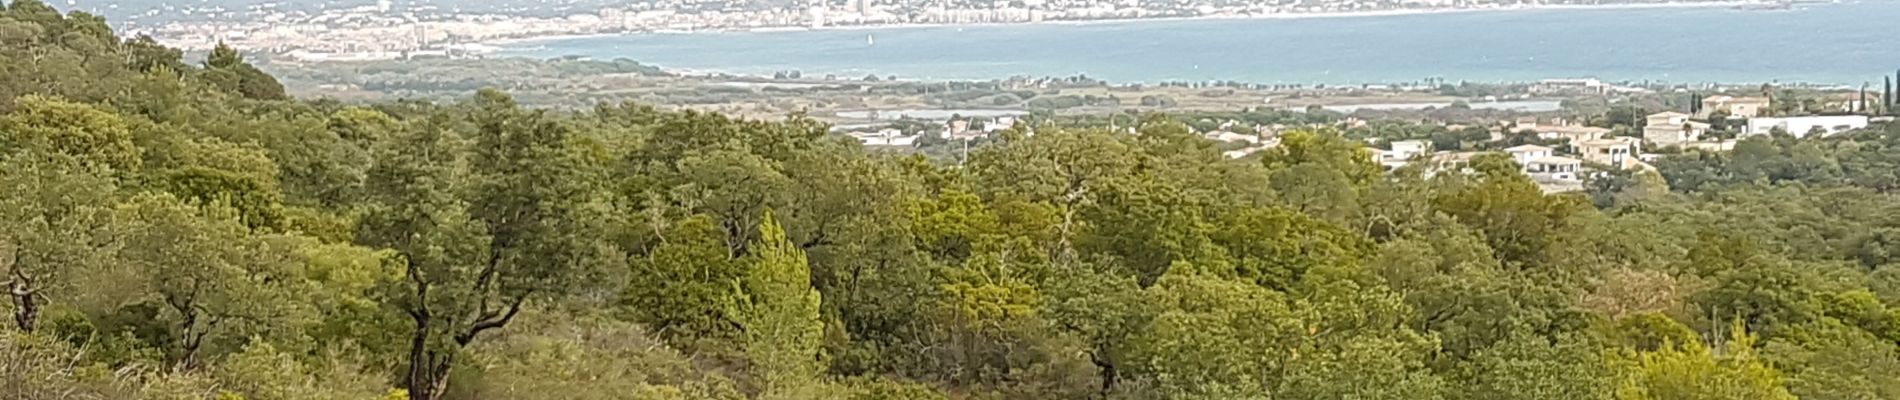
421,380
26,304
1107,370
26,313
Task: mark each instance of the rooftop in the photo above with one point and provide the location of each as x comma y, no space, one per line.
1571,129
1608,142
1556,160
1528,149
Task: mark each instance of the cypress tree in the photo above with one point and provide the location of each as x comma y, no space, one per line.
1863,97
1886,96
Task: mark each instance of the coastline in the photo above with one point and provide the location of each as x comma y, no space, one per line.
515,42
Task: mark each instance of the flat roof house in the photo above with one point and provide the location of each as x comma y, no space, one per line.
1554,168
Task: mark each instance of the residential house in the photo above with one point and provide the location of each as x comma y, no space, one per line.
1262,145
1542,163
1001,123
1524,154
1616,152
1408,148
1401,153
886,137
1743,107
1452,160
1571,133
1234,137
1669,128
1554,168
1825,125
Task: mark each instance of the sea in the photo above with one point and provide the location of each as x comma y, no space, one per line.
1844,43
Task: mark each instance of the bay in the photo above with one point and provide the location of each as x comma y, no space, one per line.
1838,43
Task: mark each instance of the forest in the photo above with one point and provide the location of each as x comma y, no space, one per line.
182,229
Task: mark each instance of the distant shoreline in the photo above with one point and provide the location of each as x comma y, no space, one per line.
511,42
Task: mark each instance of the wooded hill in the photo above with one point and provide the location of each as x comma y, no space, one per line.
182,230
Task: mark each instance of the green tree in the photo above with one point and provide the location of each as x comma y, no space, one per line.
481,235
214,281
778,311
1693,371
89,135
1531,367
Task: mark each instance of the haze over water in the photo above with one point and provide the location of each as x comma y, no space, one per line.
1828,43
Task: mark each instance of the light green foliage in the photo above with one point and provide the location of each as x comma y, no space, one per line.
886,389
261,371
49,231
1218,339
213,170
86,134
777,310
211,282
1327,150
585,358
1517,220
1530,367
1830,361
1694,371
1276,247
681,287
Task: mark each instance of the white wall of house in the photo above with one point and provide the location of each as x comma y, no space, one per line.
1801,126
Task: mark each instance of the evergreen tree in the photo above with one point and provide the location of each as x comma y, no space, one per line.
778,310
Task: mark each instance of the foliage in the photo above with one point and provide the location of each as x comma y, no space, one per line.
175,230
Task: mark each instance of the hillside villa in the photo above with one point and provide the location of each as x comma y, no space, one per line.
1740,107
1669,128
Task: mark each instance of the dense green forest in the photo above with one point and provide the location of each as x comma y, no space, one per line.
182,230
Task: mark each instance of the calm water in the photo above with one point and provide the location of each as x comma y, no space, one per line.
1833,43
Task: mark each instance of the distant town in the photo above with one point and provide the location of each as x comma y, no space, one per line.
1559,149
397,29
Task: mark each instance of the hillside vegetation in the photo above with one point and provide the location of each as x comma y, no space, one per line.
174,229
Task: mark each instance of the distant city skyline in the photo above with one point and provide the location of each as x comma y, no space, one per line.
385,29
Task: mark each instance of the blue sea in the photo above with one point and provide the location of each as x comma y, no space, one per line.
1836,43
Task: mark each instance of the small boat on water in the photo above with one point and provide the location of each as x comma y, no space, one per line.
870,40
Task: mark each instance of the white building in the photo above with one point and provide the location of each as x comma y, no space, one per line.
1671,128
1571,133
886,137
1741,107
1231,137
1001,123
1553,168
1405,149
1616,152
1826,125
1584,86
1402,152
1530,152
